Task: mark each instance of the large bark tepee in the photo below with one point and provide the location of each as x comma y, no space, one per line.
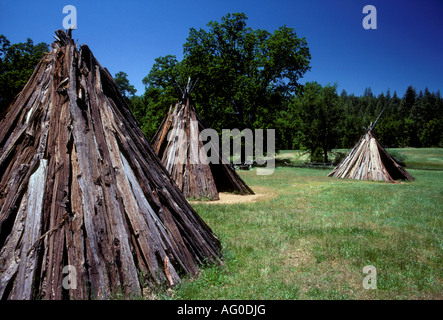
181,155
368,160
81,187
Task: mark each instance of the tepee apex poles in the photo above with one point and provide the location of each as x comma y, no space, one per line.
373,125
368,160
188,89
194,175
82,193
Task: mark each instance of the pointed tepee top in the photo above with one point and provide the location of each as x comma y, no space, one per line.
63,38
371,126
181,154
186,91
368,160
83,194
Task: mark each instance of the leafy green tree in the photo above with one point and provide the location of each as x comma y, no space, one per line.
249,78
245,77
17,62
317,112
161,92
350,122
432,133
163,74
368,92
126,89
161,82
387,130
408,101
146,113
426,108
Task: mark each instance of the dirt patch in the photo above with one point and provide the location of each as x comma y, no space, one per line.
298,258
324,276
261,193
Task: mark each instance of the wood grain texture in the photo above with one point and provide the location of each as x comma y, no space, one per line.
81,186
177,143
368,160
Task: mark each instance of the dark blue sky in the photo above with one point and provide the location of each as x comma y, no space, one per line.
405,49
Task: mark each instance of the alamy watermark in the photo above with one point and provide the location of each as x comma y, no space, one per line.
70,21
69,281
253,147
370,21
370,281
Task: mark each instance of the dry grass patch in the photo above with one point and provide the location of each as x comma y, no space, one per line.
261,193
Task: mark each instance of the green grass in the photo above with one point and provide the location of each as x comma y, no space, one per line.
313,236
414,158
421,158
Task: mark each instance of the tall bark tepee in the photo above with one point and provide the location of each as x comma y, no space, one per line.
368,160
86,208
182,157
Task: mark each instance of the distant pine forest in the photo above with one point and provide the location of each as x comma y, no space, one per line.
319,118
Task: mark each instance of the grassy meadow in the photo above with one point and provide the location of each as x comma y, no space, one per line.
309,236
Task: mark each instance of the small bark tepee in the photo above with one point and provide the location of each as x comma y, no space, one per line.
368,160
181,156
86,208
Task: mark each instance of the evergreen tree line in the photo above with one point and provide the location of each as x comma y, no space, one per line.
250,79
319,119
414,120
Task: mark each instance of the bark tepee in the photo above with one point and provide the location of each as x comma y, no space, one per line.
181,155
368,160
87,211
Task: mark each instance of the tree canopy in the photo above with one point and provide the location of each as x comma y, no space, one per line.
122,82
250,78
17,62
315,114
244,75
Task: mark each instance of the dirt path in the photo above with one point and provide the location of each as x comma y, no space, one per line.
261,193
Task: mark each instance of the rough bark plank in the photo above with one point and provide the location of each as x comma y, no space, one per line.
81,186
368,160
178,146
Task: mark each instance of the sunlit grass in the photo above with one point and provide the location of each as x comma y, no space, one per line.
414,158
421,158
313,237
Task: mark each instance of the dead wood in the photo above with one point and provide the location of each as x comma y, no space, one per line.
81,186
178,146
368,160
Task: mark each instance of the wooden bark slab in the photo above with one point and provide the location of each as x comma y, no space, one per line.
368,160
80,186
178,146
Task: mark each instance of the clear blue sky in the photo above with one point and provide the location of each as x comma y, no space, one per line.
405,49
